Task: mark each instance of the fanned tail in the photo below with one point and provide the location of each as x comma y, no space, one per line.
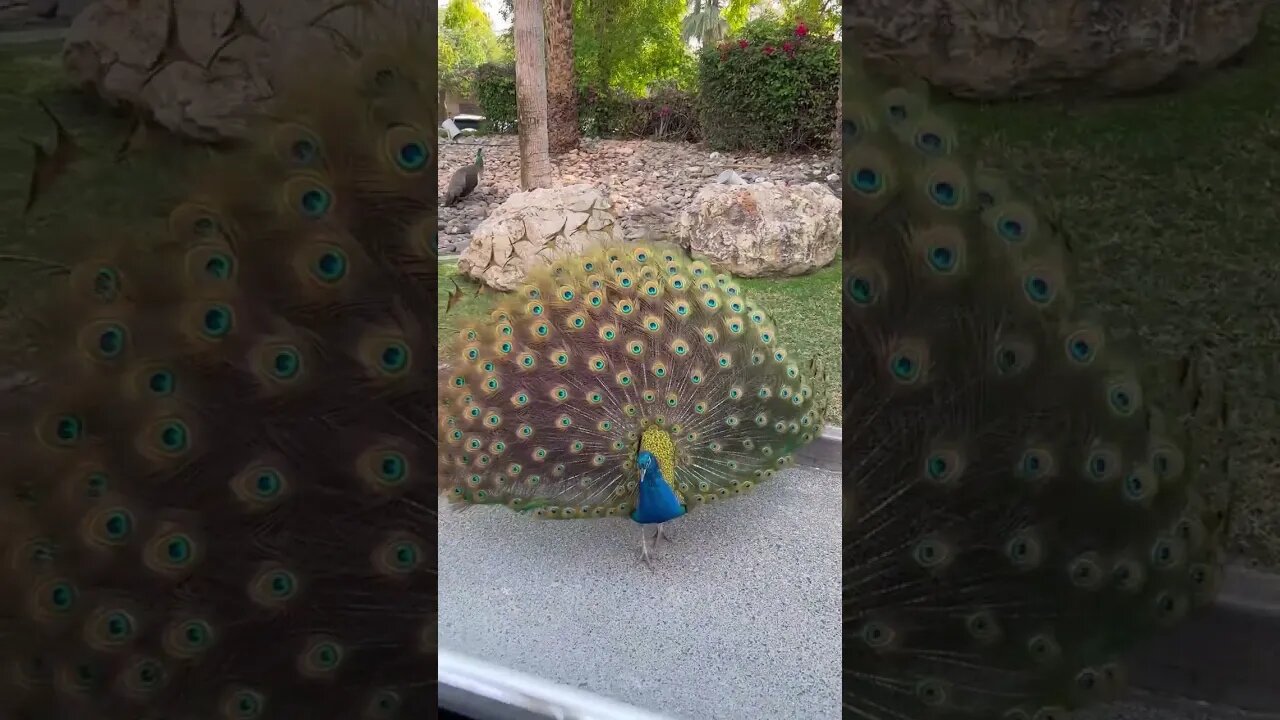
1018,513
544,405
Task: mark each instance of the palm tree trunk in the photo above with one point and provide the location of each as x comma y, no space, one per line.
562,97
531,95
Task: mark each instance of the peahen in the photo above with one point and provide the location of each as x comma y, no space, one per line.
629,381
1019,514
216,493
464,180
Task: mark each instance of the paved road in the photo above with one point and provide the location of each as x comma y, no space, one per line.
570,602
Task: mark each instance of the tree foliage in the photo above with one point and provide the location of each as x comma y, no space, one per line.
821,16
737,12
465,41
705,22
638,76
629,45
637,45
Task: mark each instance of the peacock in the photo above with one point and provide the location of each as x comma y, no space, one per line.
216,498
1019,510
464,180
627,380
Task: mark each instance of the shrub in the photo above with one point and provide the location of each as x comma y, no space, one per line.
496,93
601,111
773,89
668,114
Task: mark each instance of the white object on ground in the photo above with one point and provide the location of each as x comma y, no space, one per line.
729,177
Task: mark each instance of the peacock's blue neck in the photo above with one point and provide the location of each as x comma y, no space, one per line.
656,500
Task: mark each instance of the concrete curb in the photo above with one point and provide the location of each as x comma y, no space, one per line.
824,452
1229,653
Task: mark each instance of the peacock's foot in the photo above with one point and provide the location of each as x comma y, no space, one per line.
648,554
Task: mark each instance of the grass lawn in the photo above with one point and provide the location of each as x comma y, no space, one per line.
1173,202
96,191
805,309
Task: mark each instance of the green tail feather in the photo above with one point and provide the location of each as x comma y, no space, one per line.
216,498
543,407
1017,514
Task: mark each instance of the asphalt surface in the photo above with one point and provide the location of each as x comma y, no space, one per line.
740,617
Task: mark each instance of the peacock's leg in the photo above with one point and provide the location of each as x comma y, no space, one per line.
646,556
662,533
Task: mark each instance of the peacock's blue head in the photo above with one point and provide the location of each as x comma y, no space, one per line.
648,465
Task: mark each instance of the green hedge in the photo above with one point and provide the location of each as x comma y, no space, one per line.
773,89
496,94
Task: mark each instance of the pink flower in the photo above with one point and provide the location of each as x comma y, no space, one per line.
743,44
768,49
802,30
788,47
